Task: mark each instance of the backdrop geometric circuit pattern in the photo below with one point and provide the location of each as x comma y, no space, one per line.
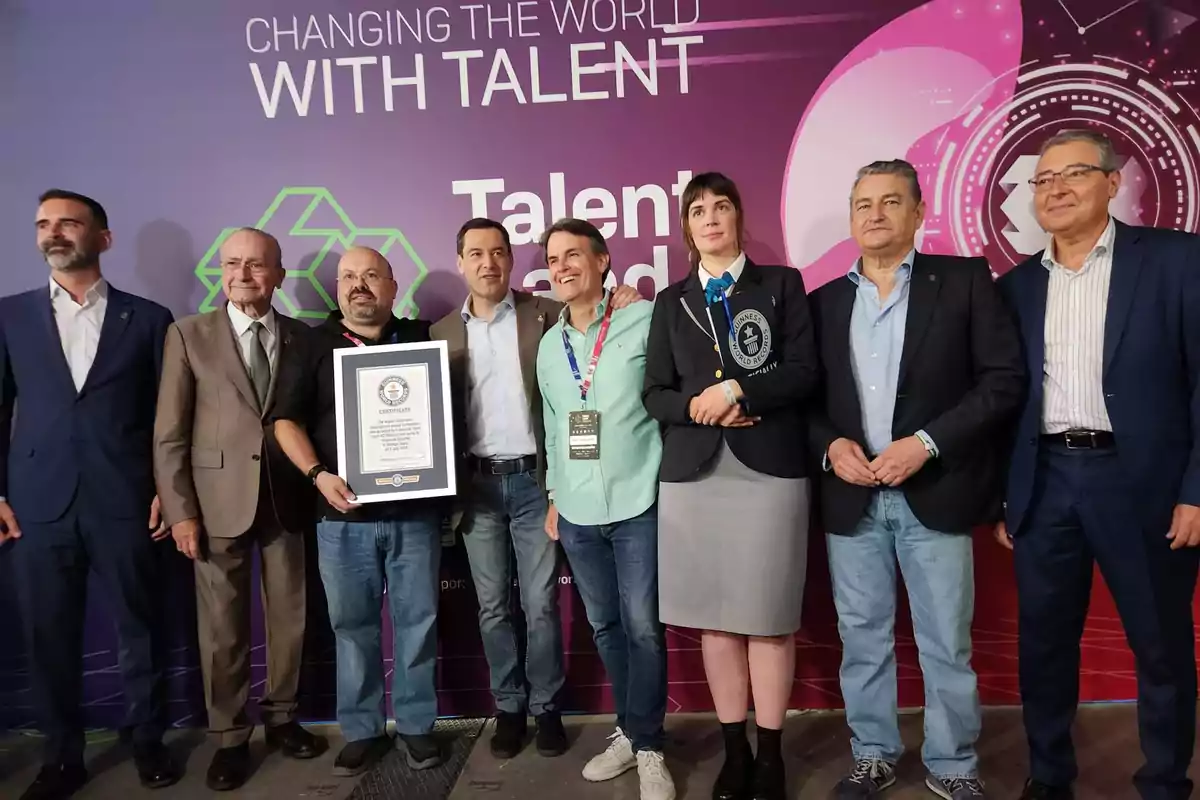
332,241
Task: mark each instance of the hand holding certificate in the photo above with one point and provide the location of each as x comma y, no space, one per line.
395,435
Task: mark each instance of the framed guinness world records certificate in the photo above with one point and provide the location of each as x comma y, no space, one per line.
395,431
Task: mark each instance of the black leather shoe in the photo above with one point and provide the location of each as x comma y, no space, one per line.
56,782
551,735
1035,790
359,756
155,768
295,742
736,777
229,769
770,781
421,751
509,738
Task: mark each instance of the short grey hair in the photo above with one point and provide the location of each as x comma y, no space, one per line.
1108,154
896,166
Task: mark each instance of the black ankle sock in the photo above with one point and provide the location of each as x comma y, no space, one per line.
734,730
769,744
737,746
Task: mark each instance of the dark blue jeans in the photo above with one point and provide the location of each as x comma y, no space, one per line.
615,568
358,561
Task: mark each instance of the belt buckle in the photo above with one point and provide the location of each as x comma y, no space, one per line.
1071,437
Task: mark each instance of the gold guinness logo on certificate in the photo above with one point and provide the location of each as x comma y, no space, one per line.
397,480
393,390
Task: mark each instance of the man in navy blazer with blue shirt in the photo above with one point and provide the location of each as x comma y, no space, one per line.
79,368
1106,462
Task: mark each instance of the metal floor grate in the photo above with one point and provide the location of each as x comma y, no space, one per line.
392,779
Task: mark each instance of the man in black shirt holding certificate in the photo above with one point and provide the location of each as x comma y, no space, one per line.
364,548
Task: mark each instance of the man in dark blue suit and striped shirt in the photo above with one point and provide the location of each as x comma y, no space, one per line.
79,366
1106,462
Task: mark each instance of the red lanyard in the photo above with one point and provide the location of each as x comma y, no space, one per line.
585,383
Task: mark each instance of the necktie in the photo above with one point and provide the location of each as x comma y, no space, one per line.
260,365
715,289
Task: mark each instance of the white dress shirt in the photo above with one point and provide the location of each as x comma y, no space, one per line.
1076,307
79,326
497,407
241,328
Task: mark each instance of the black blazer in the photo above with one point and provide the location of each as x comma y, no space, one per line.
681,362
962,379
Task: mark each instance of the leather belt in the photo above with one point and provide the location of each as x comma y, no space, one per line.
503,466
1082,440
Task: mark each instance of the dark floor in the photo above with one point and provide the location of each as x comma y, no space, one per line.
816,744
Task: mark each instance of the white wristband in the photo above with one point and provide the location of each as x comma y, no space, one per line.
729,395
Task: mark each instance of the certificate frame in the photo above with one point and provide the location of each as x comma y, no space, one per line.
430,471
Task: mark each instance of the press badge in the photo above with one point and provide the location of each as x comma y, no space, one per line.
583,429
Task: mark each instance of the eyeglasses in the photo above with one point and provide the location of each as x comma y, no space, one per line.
1072,175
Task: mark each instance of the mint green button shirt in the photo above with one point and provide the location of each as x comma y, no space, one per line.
623,482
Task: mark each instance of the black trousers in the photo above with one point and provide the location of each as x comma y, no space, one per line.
1083,512
52,563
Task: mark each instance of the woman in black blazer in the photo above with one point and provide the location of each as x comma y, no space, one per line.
730,362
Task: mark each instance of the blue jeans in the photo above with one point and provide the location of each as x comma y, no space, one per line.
357,561
615,568
939,575
512,508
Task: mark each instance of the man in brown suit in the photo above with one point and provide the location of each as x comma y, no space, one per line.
226,488
493,342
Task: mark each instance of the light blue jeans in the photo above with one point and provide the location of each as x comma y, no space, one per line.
358,560
506,516
939,574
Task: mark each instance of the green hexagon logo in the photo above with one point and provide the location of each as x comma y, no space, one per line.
319,220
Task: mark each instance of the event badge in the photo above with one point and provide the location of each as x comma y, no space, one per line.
583,431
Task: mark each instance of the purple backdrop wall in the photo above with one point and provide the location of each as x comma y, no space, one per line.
187,119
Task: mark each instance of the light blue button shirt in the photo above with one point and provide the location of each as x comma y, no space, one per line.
500,425
876,343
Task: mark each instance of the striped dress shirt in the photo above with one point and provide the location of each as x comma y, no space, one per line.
1076,306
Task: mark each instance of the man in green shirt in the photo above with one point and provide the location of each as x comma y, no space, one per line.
602,457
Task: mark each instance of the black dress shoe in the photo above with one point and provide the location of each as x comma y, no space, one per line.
155,768
770,780
421,751
229,769
295,742
551,735
359,756
736,777
509,737
1035,790
56,782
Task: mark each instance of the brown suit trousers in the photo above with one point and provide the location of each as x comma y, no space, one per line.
215,461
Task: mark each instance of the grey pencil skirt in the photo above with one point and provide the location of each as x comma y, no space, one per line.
733,550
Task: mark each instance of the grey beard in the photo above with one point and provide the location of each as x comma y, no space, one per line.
68,262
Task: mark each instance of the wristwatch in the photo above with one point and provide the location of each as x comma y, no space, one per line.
315,471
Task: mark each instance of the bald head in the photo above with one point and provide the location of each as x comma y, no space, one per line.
366,289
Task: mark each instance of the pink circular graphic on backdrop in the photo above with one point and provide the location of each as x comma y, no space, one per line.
970,116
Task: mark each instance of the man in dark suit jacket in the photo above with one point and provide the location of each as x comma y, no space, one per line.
921,371
77,484
1105,462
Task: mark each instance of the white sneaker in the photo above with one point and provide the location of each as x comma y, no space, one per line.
616,760
656,783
